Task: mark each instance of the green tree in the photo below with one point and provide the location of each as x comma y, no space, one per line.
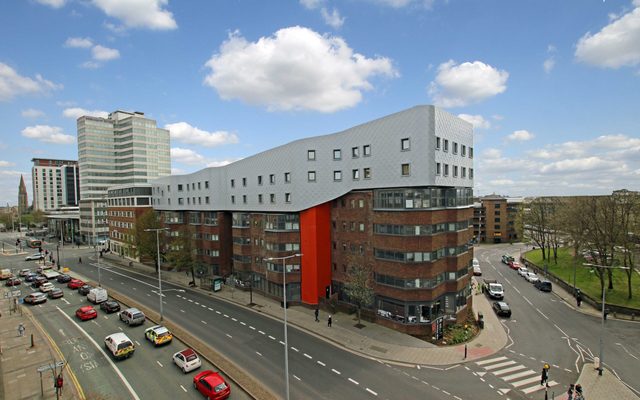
182,250
572,220
629,221
538,222
358,287
145,242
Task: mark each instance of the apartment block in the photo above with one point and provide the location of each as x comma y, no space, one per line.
56,184
125,203
394,194
494,219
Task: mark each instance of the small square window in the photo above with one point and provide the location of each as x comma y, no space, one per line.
438,168
233,183
180,200
446,145
272,179
311,155
311,176
366,173
366,150
405,144
355,152
337,154
233,199
438,142
405,170
464,150
260,199
287,177
272,197
355,174
337,175
446,170
455,148
287,197
179,187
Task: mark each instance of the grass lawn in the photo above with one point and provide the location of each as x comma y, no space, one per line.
587,280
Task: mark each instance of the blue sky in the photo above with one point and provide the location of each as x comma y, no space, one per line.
552,87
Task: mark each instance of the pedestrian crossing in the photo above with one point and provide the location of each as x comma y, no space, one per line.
519,376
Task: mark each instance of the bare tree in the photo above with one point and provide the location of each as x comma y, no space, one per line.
629,222
538,221
359,287
571,218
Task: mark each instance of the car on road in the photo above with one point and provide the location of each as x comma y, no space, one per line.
75,283
64,278
211,385
84,289
501,308
46,287
35,298
31,277
119,345
132,316
35,256
158,335
13,282
507,258
477,271
543,286
514,265
532,277
110,306
86,313
187,360
43,268
56,293
523,271
24,272
39,281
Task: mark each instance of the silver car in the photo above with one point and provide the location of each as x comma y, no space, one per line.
35,298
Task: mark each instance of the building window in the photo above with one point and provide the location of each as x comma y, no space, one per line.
464,150
496,227
366,173
337,175
455,171
180,201
287,177
361,227
233,183
287,197
470,173
260,199
438,168
405,144
233,199
198,185
244,199
272,198
244,182
361,203
272,179
337,154
464,172
437,142
455,148
355,174
496,219
470,152
355,152
179,187
496,212
206,200
311,176
260,180
405,170
366,150
446,145
446,170
311,155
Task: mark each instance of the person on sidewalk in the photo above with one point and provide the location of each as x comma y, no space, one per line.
544,378
21,329
80,260
579,297
317,314
329,321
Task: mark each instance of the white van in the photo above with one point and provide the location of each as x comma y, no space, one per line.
97,295
5,274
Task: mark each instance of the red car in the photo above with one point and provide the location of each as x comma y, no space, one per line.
13,282
211,385
86,312
514,265
75,283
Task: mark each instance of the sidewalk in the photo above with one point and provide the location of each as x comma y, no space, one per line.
19,360
606,386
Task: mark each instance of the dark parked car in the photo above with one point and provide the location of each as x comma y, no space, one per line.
110,306
13,282
85,289
39,281
64,278
31,277
501,308
544,286
56,293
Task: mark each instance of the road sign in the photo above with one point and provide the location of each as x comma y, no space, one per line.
47,367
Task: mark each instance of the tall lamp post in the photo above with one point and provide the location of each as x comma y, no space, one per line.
284,295
604,291
157,231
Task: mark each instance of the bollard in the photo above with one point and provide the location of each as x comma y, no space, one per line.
465,351
32,344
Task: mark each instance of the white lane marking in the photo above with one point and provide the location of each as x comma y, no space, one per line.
296,377
308,356
294,349
271,337
138,343
435,387
203,306
159,363
499,365
243,323
336,371
449,394
519,375
258,353
229,336
107,357
134,288
491,360
260,332
181,310
321,363
508,281
196,303
218,312
234,320
282,343
65,300
252,328
527,300
417,366
509,370
185,390
225,315
209,308
354,382
62,332
148,295
626,351
204,322
426,383
516,289
526,381
372,392
190,301
541,313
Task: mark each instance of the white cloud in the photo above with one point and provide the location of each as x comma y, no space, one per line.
580,165
491,153
77,112
521,135
149,14
101,53
295,69
6,164
333,18
48,134
185,133
548,64
78,42
311,4
90,65
543,154
427,4
615,45
53,3
477,121
32,113
501,182
12,84
458,85
186,156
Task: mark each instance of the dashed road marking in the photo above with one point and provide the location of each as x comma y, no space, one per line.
160,364
308,356
204,322
271,337
296,377
372,392
354,382
294,349
336,371
258,353
229,336
183,388
321,363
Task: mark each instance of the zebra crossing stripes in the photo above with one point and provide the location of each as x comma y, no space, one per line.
517,375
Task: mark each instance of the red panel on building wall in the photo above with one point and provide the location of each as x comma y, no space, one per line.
315,237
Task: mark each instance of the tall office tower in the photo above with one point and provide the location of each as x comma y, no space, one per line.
23,199
394,195
55,184
124,148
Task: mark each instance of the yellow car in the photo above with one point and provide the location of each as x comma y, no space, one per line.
158,335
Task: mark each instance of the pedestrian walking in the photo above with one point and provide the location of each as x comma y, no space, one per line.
79,260
21,329
544,377
579,297
317,314
329,321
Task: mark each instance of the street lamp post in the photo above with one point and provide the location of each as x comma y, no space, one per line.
157,231
95,247
604,291
284,295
